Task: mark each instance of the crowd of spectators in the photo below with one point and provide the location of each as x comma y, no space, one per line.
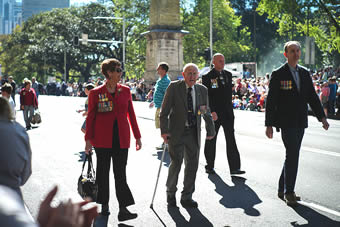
249,92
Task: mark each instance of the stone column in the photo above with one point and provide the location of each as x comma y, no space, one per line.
164,40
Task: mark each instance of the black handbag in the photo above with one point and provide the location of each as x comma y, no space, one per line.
87,186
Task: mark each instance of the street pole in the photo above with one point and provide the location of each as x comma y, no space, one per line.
124,41
65,65
117,18
211,34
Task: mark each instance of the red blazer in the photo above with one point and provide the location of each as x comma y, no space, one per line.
28,98
99,125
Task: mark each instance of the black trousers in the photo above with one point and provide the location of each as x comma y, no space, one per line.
231,147
292,138
119,160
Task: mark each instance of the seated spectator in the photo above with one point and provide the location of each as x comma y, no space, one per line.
251,106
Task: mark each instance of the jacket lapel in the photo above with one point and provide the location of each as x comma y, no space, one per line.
197,98
183,93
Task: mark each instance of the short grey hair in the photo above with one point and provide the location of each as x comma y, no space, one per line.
217,54
190,65
291,43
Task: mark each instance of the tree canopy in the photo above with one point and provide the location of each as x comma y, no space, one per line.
243,30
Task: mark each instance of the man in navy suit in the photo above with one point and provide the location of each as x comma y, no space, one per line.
290,90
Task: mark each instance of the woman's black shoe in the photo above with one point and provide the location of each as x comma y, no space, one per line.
124,215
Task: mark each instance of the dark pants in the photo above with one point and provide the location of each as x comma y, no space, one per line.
231,147
331,106
119,160
292,138
187,148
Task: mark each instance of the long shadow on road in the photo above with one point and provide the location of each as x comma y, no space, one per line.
196,218
240,195
313,218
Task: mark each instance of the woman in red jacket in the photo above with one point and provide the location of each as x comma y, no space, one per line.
110,111
28,102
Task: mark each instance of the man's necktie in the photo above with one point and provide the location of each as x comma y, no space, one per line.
191,114
297,79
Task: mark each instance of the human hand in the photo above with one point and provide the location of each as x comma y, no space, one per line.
45,210
166,138
22,107
66,215
325,124
88,147
214,116
151,104
138,144
269,132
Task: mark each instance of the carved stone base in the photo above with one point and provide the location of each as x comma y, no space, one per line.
164,45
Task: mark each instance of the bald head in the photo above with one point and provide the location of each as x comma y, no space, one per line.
218,61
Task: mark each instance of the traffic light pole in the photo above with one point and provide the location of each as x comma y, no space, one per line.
211,29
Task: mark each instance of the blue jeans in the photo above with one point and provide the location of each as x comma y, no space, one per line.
292,138
28,115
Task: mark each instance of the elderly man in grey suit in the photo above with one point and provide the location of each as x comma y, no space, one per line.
180,122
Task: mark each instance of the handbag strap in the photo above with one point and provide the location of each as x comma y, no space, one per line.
90,165
88,158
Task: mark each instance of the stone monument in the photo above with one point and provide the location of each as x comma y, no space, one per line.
164,40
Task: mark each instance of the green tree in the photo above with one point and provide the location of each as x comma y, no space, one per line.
136,14
229,37
296,19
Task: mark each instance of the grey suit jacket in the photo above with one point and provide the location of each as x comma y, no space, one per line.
174,111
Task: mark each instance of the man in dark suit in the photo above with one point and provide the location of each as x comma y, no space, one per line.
219,84
290,90
180,122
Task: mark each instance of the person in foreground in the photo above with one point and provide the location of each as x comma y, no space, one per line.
180,121
110,111
290,90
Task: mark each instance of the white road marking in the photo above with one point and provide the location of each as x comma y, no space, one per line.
303,148
321,208
29,213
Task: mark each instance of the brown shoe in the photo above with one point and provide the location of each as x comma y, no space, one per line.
291,199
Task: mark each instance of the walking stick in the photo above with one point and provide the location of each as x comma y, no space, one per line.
159,171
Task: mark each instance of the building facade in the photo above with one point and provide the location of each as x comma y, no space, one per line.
31,7
10,15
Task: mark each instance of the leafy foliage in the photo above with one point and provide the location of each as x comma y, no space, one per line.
229,37
319,19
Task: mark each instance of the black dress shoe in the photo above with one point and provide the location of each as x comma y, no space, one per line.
237,171
210,171
171,201
124,214
189,203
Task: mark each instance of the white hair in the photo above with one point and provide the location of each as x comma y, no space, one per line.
190,65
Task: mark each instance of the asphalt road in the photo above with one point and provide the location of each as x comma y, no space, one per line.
58,144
